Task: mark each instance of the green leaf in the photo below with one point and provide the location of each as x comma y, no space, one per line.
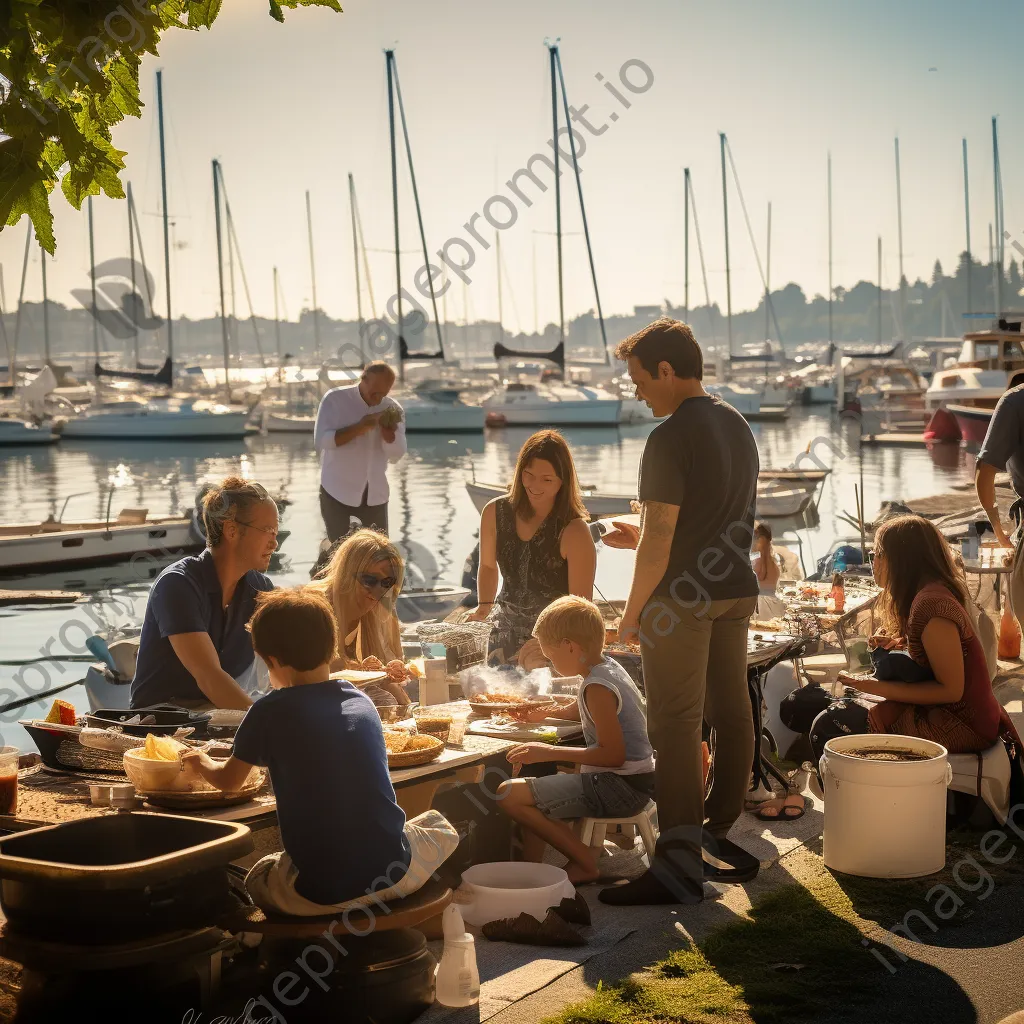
203,13
275,11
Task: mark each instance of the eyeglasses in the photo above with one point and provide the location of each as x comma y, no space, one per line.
270,531
381,583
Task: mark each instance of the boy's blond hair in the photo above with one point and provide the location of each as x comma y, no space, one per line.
572,618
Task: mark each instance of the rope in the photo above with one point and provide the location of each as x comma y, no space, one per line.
753,242
703,268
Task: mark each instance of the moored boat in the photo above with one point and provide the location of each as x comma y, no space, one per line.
972,420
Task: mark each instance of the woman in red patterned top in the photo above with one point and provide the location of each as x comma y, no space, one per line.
923,609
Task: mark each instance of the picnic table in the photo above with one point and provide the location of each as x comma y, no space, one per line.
48,797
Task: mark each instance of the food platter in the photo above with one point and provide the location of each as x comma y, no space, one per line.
420,749
488,704
202,798
359,677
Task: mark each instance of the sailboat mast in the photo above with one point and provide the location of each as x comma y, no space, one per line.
416,201
899,230
167,227
220,281
686,244
552,55
830,337
131,260
583,212
967,221
501,318
46,309
768,274
998,250
389,56
92,280
312,277
995,271
728,278
355,261
21,296
879,289
277,330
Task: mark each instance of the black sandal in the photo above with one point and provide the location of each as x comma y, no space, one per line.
782,808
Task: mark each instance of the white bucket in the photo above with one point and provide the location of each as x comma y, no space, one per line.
503,889
885,819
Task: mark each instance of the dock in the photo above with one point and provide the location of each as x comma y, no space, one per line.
904,440
8,597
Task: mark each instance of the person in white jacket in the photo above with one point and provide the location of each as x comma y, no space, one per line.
355,449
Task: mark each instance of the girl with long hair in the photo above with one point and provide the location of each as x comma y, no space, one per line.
923,608
537,536
362,581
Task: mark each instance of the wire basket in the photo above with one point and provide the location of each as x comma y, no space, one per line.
465,642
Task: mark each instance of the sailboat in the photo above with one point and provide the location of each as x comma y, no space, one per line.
139,418
547,400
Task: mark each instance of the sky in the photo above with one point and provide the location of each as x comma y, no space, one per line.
296,107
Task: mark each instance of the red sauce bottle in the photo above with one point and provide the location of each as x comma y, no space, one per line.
838,593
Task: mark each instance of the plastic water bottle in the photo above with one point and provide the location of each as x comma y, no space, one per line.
457,982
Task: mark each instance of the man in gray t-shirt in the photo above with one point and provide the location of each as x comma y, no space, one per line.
1002,449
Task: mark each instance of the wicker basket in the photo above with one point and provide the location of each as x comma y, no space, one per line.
427,749
464,642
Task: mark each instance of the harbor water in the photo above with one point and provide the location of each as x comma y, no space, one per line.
431,515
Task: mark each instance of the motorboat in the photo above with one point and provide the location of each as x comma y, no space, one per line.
961,397
14,431
137,419
56,542
544,404
972,422
597,503
782,503
439,407
746,401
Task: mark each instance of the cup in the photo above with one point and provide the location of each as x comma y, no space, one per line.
433,723
9,780
457,732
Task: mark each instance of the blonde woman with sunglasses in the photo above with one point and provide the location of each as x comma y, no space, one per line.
362,581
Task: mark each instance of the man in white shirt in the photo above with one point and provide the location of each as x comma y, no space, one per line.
355,450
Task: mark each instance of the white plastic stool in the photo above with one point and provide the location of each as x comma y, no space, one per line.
592,829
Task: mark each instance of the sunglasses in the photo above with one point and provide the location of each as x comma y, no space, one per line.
381,583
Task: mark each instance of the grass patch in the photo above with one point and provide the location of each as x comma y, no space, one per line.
797,953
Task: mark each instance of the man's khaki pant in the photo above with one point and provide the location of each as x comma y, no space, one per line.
697,670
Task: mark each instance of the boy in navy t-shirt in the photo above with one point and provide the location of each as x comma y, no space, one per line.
346,840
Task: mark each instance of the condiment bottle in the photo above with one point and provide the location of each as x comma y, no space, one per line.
838,594
457,981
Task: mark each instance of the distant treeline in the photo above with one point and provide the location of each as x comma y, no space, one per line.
930,309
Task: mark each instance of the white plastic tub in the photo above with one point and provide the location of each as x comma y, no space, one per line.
884,819
509,888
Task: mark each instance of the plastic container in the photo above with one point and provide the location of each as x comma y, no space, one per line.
457,981
433,723
885,819
434,684
510,888
9,780
457,732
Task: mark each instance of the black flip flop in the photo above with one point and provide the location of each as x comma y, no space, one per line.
784,809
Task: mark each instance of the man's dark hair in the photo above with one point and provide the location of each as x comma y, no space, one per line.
664,341
296,627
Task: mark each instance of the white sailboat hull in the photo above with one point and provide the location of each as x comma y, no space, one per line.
94,546
155,423
597,504
544,406
781,503
282,423
425,416
15,432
